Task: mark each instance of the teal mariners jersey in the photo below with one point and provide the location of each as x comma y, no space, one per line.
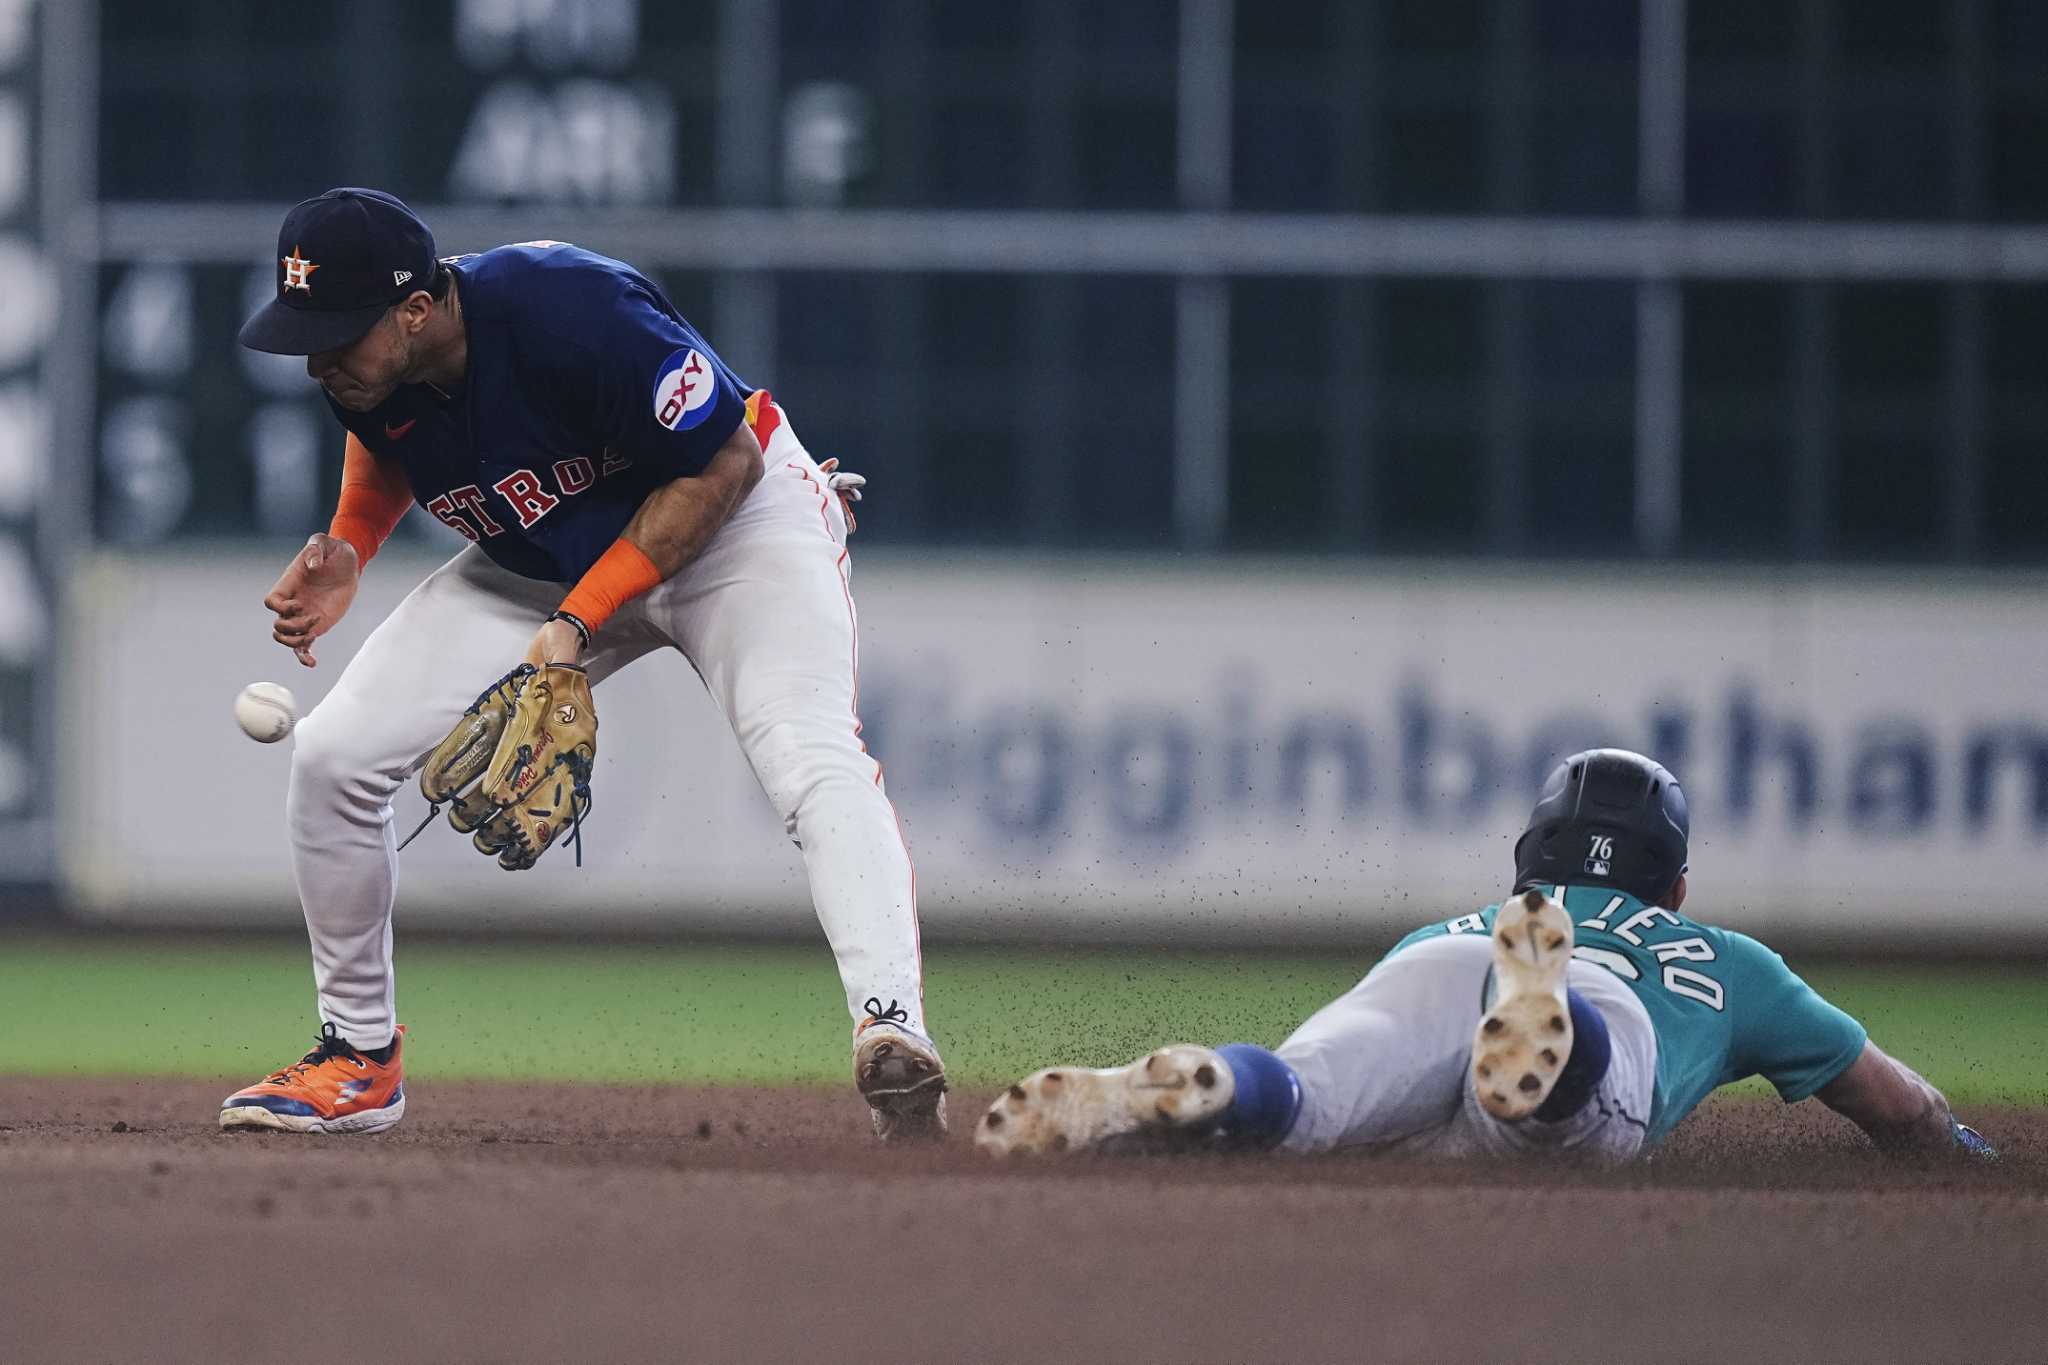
1723,1005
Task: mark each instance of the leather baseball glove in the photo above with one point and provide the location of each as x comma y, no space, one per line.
515,771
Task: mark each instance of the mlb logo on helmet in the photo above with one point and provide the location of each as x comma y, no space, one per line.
683,390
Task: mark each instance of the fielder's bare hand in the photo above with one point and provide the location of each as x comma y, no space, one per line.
557,642
313,593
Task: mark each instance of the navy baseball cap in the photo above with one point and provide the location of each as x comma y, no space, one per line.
343,258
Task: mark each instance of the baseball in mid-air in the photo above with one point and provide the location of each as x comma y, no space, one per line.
266,711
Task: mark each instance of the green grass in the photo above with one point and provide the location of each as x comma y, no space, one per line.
666,1012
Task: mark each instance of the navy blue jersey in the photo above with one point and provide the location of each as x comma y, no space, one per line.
585,391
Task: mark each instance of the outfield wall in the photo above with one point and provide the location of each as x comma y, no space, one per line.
1248,752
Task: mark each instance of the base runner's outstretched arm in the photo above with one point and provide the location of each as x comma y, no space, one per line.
1897,1107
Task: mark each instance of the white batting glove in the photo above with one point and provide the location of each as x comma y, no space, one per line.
846,485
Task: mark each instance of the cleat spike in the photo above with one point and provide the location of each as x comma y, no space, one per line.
1173,1096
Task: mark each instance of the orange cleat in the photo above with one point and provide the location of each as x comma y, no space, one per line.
332,1089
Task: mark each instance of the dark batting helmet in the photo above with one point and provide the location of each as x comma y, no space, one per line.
1607,817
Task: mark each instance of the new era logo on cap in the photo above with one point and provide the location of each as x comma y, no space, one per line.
400,276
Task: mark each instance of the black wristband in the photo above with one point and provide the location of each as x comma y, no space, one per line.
582,631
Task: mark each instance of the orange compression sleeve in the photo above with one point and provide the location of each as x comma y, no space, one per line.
374,495
621,574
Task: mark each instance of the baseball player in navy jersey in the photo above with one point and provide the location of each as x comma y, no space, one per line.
624,492
1583,1014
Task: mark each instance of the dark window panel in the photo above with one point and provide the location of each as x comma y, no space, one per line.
1737,480
1581,365
1119,391
977,149
1581,331
2016,473
1893,161
135,26
1431,477
1436,161
978,320
828,318
1889,337
1451,27
1581,481
1742,29
1580,29
1130,30
252,21
971,484
1280,327
1741,162
1895,34
149,149
2019,31
1889,497
1295,32
1738,333
2019,131
2016,323
2015,491
1432,330
850,33
1584,157
1126,496
1126,154
1277,499
1284,159
1430,488
978,28
1281,355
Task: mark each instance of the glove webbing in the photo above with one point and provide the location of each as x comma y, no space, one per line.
581,799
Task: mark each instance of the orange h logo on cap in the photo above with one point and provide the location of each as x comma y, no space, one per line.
297,270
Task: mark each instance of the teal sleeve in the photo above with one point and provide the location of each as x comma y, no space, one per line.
1478,922
1786,1033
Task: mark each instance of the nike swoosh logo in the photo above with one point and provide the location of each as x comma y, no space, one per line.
392,433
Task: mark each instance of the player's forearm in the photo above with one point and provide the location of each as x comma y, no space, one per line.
1927,1127
678,519
670,529
1897,1107
375,495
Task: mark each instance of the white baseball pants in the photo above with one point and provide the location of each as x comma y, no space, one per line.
1387,1064
765,616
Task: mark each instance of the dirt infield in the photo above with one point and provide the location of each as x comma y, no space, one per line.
554,1223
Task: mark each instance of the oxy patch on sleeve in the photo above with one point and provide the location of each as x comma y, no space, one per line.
683,389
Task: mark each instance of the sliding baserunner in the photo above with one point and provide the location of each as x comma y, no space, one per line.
1583,1014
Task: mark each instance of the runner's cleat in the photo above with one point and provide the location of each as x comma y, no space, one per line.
332,1089
1525,1037
1178,1092
900,1076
